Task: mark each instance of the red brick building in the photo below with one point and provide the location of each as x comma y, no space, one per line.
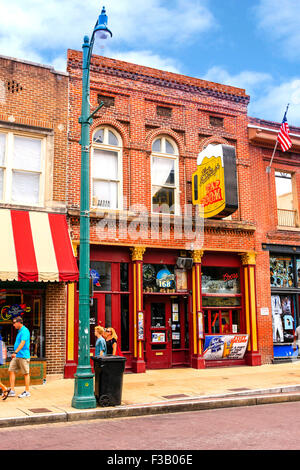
275,201
36,259
145,142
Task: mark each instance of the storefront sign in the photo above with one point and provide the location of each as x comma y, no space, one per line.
165,279
264,311
95,276
214,184
8,312
225,347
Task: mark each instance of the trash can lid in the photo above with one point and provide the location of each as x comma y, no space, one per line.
109,358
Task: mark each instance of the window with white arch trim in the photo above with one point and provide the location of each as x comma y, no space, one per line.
165,176
106,174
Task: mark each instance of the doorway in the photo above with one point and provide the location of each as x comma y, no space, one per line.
158,333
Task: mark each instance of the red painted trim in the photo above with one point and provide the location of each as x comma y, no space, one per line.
66,263
25,254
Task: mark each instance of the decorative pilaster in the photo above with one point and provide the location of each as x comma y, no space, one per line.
253,357
71,364
138,363
197,316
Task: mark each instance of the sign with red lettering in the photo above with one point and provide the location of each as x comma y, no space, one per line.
225,346
214,183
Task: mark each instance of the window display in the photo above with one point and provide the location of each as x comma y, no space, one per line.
283,318
29,305
281,272
100,272
220,280
159,278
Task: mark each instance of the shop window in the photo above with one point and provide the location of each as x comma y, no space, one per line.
220,321
125,322
159,278
106,169
108,310
286,201
101,274
124,277
21,169
220,280
29,305
283,318
164,176
281,272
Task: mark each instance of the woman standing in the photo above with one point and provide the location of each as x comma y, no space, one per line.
111,341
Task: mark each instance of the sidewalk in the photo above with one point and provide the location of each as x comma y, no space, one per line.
160,391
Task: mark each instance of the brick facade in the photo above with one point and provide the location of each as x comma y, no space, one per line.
33,102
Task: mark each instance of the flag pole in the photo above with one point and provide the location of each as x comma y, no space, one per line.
268,169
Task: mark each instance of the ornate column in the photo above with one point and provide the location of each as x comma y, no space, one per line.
253,358
138,363
197,315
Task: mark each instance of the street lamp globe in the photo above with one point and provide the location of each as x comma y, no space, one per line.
101,32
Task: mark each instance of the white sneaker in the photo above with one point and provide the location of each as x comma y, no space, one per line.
12,393
24,394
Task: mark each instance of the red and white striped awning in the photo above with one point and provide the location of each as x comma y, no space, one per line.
35,246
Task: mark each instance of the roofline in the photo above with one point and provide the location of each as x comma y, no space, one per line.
35,64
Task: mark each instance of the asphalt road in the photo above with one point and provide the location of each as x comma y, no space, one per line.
272,427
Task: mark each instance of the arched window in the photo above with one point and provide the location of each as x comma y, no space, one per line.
165,176
106,171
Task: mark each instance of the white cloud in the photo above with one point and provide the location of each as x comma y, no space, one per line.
42,31
268,99
280,21
148,59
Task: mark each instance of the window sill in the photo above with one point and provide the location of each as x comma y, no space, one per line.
289,229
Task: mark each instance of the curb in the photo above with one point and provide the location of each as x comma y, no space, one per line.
249,398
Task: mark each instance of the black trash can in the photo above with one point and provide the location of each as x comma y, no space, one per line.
109,379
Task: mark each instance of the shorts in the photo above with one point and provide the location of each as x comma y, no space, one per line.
19,364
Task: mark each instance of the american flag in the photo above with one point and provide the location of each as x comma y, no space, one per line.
283,135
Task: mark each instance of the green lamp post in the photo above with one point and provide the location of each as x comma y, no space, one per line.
84,390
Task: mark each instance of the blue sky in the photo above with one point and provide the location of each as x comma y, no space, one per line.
252,44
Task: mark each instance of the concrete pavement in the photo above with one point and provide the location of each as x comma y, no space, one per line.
160,391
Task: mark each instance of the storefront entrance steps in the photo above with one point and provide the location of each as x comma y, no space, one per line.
160,391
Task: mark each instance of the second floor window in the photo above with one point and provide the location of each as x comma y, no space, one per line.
286,201
21,169
164,176
106,169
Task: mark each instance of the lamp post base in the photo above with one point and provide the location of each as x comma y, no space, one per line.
84,391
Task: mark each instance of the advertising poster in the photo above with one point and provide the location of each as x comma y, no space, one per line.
141,325
158,337
225,347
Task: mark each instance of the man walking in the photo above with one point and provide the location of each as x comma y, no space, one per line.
20,358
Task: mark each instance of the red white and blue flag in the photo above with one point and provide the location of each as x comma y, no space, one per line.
284,135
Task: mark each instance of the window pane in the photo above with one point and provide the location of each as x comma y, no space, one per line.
2,148
107,310
163,200
25,187
112,139
284,191
169,148
105,164
124,323
99,136
124,277
101,274
27,154
220,280
105,194
163,171
281,272
156,146
1,183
